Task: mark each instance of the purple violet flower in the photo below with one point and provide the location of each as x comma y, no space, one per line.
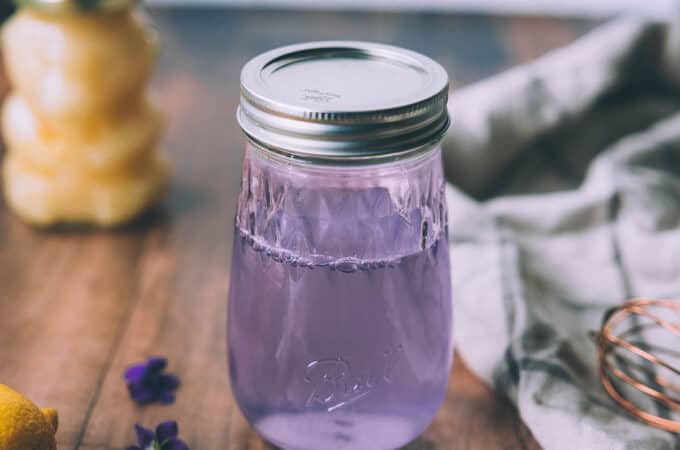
147,383
165,438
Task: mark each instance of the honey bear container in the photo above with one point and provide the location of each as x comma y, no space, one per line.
81,129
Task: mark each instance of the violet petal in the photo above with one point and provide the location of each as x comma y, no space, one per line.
167,397
141,394
166,430
157,363
144,436
169,381
135,373
147,383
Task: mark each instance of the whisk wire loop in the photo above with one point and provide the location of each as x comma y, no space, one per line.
617,351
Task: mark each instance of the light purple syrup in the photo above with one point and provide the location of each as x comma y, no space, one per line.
340,354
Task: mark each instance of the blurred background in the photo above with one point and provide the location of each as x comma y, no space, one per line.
589,8
160,284
572,8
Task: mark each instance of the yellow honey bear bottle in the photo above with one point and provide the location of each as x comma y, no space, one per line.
81,131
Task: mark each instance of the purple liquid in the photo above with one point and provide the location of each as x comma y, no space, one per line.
348,352
339,358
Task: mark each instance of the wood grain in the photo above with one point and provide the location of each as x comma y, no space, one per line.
78,306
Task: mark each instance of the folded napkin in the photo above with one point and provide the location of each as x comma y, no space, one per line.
564,202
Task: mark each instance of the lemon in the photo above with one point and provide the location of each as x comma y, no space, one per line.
24,426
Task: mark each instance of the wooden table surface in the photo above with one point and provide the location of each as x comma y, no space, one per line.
78,306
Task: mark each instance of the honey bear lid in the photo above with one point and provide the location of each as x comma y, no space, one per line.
77,6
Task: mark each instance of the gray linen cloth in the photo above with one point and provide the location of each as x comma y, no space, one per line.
566,203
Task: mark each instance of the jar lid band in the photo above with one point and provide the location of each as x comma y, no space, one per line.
343,101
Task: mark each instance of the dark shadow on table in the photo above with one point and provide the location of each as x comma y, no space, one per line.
179,201
421,443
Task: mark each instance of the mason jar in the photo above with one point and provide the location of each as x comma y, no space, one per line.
339,326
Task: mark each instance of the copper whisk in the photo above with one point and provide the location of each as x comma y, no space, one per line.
630,364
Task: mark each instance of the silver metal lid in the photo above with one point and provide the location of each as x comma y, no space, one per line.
343,101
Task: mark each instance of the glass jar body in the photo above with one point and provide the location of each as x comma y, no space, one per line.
339,327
